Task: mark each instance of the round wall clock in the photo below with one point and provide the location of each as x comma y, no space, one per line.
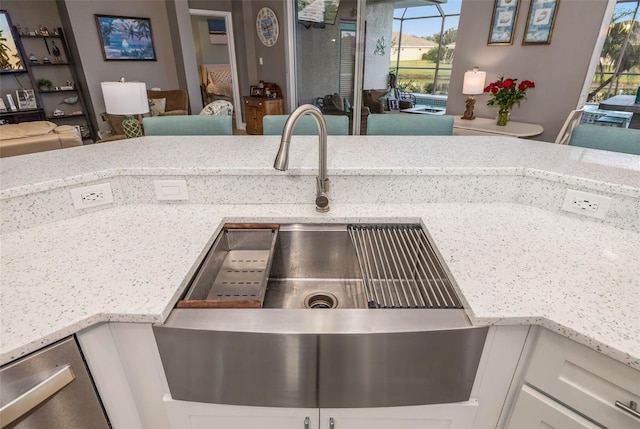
267,26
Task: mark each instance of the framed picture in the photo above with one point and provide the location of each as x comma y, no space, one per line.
503,22
125,38
26,99
256,91
542,16
394,104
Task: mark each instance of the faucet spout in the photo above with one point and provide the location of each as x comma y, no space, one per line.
282,158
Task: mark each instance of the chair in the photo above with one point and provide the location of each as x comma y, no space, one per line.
567,128
405,124
336,125
624,140
187,125
176,101
377,99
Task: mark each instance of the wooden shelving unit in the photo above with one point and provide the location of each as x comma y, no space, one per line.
75,114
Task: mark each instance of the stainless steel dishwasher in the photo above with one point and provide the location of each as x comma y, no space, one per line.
50,388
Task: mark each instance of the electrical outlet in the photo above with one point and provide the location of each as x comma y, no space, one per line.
92,196
586,204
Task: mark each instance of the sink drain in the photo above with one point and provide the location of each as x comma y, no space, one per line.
321,300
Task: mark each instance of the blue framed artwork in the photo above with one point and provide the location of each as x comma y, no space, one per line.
542,16
125,38
503,22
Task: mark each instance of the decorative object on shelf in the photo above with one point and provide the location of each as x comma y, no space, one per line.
55,51
26,99
58,112
256,91
505,93
3,107
503,22
12,105
44,84
126,98
10,58
46,60
43,30
125,38
55,31
540,21
70,100
473,84
33,59
267,26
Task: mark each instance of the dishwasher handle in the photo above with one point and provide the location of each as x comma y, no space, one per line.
35,396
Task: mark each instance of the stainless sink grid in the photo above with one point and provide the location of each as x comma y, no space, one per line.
400,268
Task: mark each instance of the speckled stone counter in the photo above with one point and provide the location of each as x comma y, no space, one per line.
516,260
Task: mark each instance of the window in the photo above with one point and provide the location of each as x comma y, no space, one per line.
422,47
618,70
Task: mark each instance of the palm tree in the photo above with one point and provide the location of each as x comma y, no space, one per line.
622,35
5,61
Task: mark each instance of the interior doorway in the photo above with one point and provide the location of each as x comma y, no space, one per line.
215,54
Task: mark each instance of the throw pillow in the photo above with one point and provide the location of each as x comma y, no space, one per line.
157,106
385,99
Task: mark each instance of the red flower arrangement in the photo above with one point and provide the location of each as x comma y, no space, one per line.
507,92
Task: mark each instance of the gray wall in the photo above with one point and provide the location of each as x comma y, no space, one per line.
558,69
160,73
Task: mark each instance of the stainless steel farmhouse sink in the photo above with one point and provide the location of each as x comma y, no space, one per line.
320,315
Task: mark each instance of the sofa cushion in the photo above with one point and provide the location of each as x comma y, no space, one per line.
26,129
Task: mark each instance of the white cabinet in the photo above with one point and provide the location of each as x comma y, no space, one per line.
535,410
194,415
197,415
585,382
451,416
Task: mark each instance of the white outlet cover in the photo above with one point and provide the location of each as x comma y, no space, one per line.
584,198
102,188
171,190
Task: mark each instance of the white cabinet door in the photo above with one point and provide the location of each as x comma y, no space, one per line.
535,410
441,416
196,415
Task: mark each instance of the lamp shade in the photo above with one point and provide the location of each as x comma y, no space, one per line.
473,82
125,98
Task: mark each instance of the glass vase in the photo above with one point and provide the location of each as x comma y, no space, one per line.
503,117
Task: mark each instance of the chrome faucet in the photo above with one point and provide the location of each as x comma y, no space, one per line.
282,158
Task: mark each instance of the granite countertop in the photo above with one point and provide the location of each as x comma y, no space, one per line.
513,263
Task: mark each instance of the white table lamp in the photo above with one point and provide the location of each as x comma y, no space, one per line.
126,98
473,84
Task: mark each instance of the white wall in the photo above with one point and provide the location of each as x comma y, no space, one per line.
558,69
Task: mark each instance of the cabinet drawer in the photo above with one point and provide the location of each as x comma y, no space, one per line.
535,410
254,101
584,379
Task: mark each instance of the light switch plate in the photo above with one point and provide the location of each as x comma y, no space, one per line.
171,190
